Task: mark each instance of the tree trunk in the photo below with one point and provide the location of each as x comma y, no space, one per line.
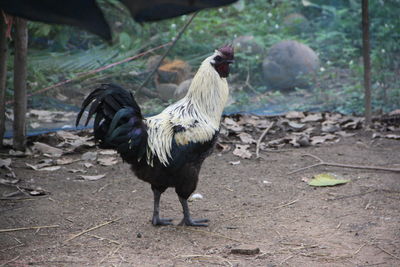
3,75
20,74
367,62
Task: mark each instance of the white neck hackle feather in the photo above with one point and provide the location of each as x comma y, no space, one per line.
199,113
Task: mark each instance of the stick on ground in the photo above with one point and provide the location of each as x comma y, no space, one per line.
27,228
91,229
334,164
261,138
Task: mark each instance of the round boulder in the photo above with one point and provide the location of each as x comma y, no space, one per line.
289,64
296,23
248,45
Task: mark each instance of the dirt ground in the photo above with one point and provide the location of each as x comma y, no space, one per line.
256,204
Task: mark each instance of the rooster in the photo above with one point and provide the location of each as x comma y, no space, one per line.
168,149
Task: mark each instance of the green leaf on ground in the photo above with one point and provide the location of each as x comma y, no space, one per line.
326,179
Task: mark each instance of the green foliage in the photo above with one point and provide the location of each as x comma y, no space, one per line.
331,27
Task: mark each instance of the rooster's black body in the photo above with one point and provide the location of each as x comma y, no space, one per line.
166,150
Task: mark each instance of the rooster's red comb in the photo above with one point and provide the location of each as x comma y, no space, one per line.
227,51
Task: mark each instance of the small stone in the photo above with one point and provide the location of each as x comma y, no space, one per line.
139,235
246,250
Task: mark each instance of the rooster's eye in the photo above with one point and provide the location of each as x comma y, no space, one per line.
218,59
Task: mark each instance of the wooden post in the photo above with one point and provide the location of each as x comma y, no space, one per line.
20,74
3,74
367,62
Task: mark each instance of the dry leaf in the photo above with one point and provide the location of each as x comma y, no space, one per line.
299,140
351,123
223,147
263,124
65,161
8,181
46,149
326,179
392,136
322,139
92,177
17,153
88,165
89,156
294,115
276,142
39,168
246,138
295,126
108,161
5,163
329,128
34,125
37,193
51,168
232,125
312,117
248,120
334,117
241,151
108,152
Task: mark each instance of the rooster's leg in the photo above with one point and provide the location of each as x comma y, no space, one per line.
156,213
187,220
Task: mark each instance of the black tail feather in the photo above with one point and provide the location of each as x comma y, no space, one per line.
118,122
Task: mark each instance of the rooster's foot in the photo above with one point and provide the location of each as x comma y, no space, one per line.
191,222
161,221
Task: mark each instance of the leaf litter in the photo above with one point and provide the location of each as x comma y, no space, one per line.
238,134
295,128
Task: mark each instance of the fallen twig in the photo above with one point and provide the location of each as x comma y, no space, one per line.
288,258
110,254
247,82
387,252
12,247
9,261
359,249
104,238
287,204
261,138
333,164
91,229
22,189
27,228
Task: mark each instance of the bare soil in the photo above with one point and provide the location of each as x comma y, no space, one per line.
255,203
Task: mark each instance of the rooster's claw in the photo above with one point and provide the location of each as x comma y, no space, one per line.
190,222
161,221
